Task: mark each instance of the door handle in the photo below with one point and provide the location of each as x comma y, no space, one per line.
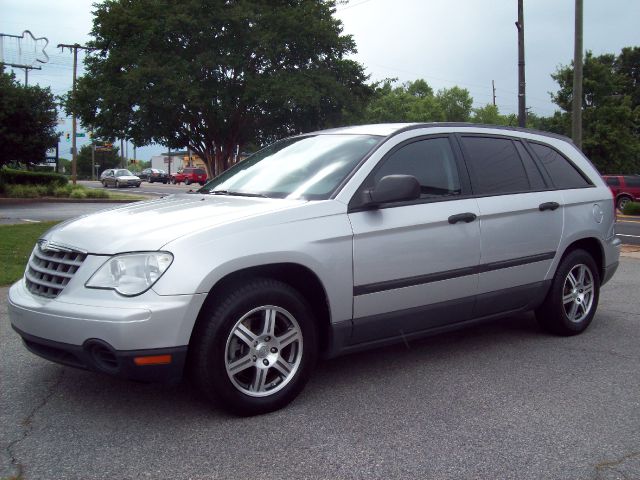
462,217
548,206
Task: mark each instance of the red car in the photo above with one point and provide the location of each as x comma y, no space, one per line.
625,188
189,175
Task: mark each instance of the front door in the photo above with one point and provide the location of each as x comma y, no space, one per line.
415,263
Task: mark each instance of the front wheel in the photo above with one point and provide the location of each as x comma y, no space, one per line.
573,297
255,349
187,181
117,184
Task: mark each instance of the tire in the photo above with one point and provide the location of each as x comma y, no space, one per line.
164,182
622,202
173,181
104,184
272,365
117,184
573,297
187,181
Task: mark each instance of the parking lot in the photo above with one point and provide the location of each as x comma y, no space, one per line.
501,400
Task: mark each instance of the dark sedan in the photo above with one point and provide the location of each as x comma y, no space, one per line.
154,175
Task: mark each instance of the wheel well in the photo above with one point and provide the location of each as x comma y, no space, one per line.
296,276
593,246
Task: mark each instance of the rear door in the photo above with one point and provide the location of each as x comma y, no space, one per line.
521,221
415,263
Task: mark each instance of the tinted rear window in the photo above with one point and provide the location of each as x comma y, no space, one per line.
632,181
613,181
563,173
495,165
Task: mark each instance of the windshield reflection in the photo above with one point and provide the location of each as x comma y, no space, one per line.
308,167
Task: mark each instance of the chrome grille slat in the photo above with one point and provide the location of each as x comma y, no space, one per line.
49,271
59,258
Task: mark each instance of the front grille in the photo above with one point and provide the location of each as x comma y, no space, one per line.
50,268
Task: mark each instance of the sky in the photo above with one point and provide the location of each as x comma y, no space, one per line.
467,43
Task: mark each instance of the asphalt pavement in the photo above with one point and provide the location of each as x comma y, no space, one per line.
501,400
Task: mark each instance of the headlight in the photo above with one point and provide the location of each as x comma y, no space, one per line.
131,274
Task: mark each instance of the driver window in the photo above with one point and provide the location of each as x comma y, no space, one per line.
431,161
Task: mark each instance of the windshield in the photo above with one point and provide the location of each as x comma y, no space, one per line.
122,173
309,167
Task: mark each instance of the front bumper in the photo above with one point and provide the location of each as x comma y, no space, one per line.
163,365
67,329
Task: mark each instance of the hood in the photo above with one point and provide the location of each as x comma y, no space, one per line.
150,225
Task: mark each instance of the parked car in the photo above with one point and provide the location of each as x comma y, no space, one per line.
120,178
105,173
320,245
625,188
189,175
152,175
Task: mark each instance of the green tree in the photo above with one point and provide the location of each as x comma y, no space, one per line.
213,75
456,104
409,102
490,115
610,109
103,159
27,121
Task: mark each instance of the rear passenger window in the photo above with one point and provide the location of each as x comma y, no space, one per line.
495,166
431,161
535,177
562,172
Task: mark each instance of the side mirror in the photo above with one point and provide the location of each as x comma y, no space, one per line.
392,188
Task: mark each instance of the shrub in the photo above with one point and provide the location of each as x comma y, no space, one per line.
10,176
77,193
62,192
22,191
94,193
632,208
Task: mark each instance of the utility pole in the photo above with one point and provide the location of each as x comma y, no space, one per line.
74,158
26,69
522,112
576,102
122,163
93,160
493,87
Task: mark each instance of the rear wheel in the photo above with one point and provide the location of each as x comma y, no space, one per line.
622,202
573,298
255,349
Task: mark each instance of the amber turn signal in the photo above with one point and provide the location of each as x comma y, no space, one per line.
153,360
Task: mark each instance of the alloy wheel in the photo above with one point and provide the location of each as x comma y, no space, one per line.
263,351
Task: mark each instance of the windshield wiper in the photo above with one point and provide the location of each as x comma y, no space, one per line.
236,194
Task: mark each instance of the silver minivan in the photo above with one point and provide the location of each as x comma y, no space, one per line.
320,245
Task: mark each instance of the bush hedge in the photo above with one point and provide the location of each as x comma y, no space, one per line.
631,208
9,176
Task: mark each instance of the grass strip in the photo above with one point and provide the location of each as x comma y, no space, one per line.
16,244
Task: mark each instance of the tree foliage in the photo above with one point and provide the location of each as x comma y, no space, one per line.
416,102
27,121
104,160
214,75
610,109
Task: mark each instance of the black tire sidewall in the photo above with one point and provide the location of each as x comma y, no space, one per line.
552,314
210,370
